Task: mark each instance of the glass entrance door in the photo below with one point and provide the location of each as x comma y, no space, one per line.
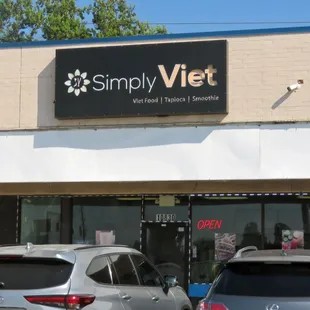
166,246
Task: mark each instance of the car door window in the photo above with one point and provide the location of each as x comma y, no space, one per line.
148,274
99,271
125,270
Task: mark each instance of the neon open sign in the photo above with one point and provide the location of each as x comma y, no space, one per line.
209,224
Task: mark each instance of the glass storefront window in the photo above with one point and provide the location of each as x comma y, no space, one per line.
281,217
218,230
40,220
164,211
107,220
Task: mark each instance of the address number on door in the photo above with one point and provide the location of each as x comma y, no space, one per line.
166,217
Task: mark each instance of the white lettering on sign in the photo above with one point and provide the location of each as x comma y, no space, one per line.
104,82
194,78
166,217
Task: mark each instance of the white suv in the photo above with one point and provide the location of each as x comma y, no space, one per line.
41,277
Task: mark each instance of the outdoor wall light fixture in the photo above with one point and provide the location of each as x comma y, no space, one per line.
296,86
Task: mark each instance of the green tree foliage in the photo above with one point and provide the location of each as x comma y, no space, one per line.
115,18
28,20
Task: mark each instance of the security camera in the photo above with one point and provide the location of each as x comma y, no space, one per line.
294,87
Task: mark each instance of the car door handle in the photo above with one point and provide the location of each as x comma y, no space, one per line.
155,298
126,297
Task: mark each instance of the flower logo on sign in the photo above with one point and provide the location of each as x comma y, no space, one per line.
77,82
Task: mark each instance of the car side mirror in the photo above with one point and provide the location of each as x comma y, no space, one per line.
171,280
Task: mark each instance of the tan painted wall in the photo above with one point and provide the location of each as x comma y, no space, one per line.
260,69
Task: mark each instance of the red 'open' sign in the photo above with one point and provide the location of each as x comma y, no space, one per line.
209,224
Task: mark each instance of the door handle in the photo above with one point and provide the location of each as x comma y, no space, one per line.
155,298
126,297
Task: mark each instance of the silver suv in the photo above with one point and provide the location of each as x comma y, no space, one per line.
42,277
262,280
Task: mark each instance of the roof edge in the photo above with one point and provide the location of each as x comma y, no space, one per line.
195,35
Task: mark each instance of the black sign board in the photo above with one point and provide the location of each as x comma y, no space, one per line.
142,80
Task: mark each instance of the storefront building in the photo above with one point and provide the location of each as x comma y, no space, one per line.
187,147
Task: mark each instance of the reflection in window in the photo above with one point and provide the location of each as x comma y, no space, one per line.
107,221
149,276
218,230
40,220
280,217
165,248
125,270
98,270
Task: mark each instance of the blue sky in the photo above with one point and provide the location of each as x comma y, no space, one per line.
182,11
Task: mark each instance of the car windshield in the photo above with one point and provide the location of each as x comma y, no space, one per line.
265,280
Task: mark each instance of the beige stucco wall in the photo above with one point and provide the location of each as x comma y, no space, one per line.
259,67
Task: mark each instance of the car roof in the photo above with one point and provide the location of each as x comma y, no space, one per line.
274,255
66,252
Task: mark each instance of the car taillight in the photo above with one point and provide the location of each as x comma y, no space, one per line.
211,306
10,256
65,301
